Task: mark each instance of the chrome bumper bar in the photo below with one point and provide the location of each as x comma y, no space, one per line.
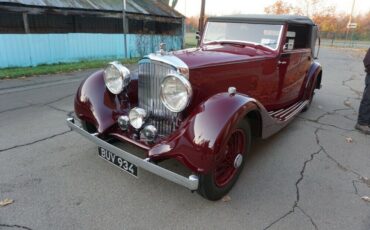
190,183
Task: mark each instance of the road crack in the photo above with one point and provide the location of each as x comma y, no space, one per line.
58,109
309,217
36,141
48,104
299,180
325,124
15,226
355,186
340,165
344,83
17,108
360,178
59,99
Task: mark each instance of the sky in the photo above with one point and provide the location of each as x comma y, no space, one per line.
222,7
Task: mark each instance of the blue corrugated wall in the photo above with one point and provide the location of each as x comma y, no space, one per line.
18,50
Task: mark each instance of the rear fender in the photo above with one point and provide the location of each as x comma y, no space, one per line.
201,137
312,78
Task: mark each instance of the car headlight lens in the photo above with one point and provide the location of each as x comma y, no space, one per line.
176,92
116,77
137,117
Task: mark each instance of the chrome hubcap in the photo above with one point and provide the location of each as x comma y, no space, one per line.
238,161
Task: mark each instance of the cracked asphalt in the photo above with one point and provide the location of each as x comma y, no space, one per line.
308,176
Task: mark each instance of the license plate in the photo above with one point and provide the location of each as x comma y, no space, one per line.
118,161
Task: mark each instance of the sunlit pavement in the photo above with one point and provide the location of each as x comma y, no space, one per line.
311,175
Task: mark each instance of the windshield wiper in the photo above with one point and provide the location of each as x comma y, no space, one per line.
243,44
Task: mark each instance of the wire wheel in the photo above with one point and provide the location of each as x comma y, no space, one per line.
234,150
218,182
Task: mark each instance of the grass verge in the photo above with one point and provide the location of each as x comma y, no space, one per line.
190,40
8,73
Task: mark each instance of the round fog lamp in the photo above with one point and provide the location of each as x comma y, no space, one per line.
150,132
137,117
123,122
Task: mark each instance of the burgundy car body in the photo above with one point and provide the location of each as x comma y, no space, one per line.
267,81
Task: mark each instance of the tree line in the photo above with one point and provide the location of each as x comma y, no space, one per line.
333,25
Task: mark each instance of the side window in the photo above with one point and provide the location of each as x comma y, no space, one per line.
297,37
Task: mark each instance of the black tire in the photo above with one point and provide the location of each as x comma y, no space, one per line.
307,107
310,97
207,185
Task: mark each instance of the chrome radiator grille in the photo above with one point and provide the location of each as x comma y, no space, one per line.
151,74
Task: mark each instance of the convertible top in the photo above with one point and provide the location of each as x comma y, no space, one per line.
264,18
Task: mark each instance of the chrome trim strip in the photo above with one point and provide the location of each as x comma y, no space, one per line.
191,182
288,110
272,113
298,110
270,124
169,59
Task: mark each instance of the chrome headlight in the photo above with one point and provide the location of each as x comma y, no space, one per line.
137,117
176,92
116,77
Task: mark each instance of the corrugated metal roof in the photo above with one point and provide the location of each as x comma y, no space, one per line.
152,7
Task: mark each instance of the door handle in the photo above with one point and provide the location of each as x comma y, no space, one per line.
282,62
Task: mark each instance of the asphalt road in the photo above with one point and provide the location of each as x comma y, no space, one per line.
308,176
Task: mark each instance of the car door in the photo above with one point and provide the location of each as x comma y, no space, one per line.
293,65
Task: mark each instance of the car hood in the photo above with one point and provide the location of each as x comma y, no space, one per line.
220,55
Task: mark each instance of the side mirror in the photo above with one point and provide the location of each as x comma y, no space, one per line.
197,35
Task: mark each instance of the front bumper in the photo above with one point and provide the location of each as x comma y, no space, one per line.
191,182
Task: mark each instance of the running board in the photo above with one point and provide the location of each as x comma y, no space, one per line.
287,113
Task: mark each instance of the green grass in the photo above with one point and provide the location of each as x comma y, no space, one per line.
190,40
57,68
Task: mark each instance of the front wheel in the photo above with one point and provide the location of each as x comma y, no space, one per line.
218,183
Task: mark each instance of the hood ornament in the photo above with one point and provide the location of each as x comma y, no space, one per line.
162,48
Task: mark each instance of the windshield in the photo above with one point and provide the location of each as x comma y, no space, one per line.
263,34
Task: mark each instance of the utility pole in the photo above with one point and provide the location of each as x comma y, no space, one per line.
201,18
25,23
307,8
350,20
124,23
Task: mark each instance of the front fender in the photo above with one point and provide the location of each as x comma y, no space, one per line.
96,105
203,134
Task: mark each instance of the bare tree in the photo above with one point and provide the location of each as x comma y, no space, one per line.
310,6
279,7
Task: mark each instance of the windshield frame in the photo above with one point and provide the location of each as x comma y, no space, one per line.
246,42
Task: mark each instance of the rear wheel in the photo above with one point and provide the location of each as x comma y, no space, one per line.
310,97
218,183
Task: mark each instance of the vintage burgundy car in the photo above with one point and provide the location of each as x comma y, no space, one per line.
249,77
